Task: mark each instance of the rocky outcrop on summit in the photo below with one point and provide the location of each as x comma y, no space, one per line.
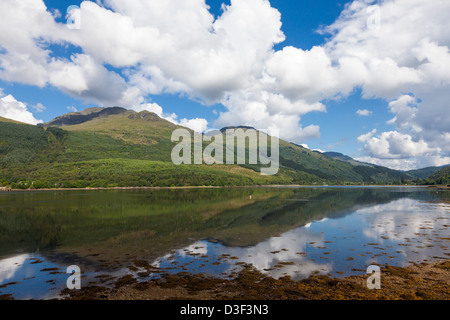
86,115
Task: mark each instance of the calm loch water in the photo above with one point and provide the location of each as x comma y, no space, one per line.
280,231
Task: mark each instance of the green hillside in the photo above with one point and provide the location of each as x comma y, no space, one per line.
424,172
26,145
441,177
343,157
116,147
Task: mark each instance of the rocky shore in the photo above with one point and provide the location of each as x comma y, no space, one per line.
425,281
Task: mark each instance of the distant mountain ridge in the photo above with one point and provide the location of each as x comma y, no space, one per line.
224,129
343,157
415,174
424,173
337,155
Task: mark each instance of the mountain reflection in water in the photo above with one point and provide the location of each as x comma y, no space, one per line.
279,231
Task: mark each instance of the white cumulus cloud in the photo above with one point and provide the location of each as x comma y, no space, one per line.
363,112
16,110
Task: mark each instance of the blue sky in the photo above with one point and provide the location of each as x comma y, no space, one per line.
358,77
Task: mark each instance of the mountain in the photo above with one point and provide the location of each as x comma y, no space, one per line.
74,118
441,177
337,155
342,157
140,128
424,172
370,172
117,147
224,129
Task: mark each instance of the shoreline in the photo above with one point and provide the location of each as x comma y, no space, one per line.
222,187
424,281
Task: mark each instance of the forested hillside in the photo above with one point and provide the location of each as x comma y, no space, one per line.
116,147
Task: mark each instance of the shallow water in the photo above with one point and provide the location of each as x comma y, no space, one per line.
279,231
